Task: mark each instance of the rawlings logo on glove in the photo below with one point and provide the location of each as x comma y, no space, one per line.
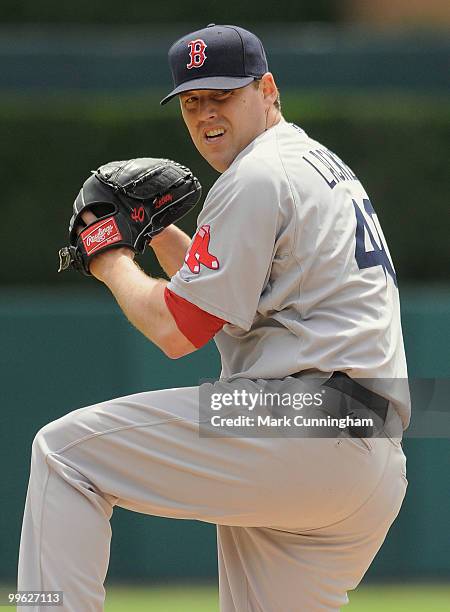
133,200
100,235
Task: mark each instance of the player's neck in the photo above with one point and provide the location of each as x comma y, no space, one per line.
272,118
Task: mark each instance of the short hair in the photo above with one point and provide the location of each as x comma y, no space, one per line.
277,102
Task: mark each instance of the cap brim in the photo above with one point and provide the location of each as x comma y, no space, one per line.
218,82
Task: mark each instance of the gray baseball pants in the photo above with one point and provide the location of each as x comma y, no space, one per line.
298,520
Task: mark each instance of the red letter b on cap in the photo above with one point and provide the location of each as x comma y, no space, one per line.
196,53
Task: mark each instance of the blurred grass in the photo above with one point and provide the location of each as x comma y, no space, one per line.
162,599
389,598
101,106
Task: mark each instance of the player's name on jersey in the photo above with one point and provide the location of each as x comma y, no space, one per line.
330,167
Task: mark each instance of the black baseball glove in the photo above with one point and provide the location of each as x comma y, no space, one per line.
133,200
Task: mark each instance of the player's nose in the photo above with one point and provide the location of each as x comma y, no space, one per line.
207,109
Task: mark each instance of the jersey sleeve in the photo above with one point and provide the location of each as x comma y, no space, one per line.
229,259
194,323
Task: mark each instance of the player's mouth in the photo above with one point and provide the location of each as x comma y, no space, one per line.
213,135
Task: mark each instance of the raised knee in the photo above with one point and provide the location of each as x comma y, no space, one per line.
49,438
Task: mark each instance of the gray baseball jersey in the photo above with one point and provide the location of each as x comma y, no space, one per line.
290,252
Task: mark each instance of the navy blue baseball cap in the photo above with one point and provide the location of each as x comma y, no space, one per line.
216,57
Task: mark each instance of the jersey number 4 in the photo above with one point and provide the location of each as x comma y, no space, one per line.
371,249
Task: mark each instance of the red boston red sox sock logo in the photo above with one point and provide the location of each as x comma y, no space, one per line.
196,53
199,254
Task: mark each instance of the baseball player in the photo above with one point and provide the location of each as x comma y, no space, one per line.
289,272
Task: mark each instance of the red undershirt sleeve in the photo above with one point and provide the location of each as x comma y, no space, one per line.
197,325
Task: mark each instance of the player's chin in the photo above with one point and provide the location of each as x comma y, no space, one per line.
218,161
219,164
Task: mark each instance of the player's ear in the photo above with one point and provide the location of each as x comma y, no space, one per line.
268,88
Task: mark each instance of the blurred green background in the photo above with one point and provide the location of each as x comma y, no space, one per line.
80,85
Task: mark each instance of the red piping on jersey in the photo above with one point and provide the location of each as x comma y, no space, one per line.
197,325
